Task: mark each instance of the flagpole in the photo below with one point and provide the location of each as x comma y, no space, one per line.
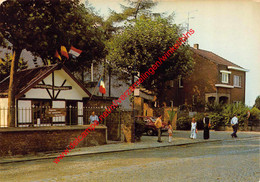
95,87
97,84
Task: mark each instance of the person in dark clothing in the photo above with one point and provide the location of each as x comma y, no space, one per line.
206,122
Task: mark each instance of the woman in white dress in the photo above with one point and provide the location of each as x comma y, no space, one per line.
194,130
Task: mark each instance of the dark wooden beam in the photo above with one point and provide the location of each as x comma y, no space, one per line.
60,90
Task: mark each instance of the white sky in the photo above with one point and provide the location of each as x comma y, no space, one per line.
230,29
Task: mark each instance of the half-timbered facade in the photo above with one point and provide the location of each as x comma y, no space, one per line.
48,95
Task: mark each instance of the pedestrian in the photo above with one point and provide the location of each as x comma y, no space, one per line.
93,117
234,123
206,122
158,125
194,130
170,131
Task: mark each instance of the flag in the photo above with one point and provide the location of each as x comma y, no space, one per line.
101,85
57,55
64,52
74,51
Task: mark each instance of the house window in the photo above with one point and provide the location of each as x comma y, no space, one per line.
180,82
237,81
224,77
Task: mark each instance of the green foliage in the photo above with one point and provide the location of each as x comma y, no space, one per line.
224,113
43,26
129,13
239,109
171,115
255,116
216,120
5,65
257,102
184,123
199,119
142,43
214,107
139,129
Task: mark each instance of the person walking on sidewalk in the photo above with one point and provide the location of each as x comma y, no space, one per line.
194,130
234,123
158,125
170,131
206,122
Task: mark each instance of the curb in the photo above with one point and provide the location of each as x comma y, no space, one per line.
124,150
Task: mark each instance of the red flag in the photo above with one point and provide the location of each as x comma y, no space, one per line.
101,85
57,55
74,51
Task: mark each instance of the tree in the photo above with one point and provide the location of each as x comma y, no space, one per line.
5,65
139,46
41,27
257,102
130,12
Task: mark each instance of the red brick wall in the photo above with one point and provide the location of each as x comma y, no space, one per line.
21,141
238,93
201,81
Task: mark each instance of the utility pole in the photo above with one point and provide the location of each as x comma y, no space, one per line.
188,24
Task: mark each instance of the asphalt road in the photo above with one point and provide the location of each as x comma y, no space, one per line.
235,160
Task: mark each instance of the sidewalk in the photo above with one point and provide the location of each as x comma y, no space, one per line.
147,142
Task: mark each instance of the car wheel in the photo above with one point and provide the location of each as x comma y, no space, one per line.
150,132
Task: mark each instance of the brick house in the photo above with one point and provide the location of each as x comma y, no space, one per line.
213,80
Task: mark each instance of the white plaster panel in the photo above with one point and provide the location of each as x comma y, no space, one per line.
24,111
80,112
3,112
76,93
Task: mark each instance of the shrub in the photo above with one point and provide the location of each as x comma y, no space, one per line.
255,116
239,109
184,123
217,120
199,119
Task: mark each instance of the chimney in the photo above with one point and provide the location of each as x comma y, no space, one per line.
196,46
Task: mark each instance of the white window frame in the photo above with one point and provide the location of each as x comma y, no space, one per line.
224,77
237,81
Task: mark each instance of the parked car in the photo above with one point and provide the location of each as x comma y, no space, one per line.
150,128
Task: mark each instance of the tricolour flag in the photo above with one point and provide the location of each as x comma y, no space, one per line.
101,85
64,52
57,55
74,51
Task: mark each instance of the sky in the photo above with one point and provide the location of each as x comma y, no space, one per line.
230,29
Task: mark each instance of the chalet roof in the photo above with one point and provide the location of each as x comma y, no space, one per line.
215,58
27,78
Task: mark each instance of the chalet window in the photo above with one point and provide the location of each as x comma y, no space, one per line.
237,81
180,82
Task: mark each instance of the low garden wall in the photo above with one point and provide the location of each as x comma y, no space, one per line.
21,141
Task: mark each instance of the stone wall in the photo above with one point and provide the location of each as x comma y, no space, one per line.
21,141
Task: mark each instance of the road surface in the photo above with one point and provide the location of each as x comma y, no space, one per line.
230,160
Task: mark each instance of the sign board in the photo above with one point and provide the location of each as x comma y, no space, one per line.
56,112
52,87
